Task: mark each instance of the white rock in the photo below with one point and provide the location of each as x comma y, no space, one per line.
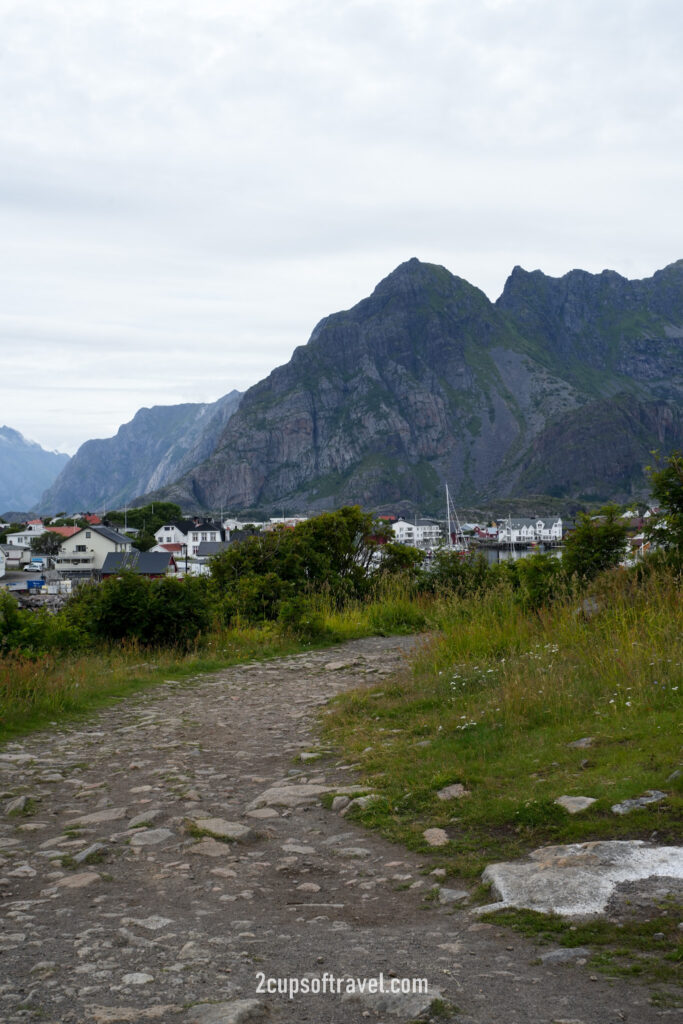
454,792
218,828
137,978
579,879
574,804
435,836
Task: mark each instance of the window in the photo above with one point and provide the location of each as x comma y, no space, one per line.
203,536
81,547
88,535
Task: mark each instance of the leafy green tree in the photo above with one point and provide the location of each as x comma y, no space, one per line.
595,545
332,552
401,560
666,481
46,543
144,541
147,518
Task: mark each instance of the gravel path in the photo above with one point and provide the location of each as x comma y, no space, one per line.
114,907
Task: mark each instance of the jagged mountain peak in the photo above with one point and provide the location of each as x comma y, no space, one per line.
426,381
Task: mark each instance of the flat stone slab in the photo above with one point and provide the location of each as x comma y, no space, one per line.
574,804
219,828
131,1014
151,837
406,1007
650,796
109,814
263,812
579,879
79,881
297,794
450,896
208,847
238,1011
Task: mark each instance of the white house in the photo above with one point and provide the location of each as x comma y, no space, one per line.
33,529
529,531
2,562
549,530
87,550
423,533
189,533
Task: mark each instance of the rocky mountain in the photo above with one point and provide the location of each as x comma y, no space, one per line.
561,387
26,470
155,448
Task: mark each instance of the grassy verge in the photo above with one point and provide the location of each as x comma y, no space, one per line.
495,702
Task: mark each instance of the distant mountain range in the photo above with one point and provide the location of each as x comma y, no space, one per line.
26,470
560,388
156,447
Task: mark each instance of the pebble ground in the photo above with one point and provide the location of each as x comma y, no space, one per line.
122,901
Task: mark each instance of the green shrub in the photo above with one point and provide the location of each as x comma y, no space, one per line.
33,633
396,615
164,612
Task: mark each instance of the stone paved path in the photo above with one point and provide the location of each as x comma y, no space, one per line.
114,909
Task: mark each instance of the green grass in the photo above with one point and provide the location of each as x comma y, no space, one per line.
649,949
498,697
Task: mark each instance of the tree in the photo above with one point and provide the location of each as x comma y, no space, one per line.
595,545
333,551
47,543
666,482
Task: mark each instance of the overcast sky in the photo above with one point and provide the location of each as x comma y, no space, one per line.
186,188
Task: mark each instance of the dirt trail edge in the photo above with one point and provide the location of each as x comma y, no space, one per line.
114,907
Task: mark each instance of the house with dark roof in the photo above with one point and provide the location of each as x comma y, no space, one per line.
190,533
153,564
86,550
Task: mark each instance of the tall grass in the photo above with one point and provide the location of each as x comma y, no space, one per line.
495,701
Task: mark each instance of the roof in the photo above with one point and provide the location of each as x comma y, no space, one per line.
175,549
63,531
93,519
144,563
185,525
107,532
212,547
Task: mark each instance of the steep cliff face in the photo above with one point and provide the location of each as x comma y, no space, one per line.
604,332
424,381
26,470
156,447
563,386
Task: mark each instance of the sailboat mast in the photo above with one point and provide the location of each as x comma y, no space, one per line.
448,514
